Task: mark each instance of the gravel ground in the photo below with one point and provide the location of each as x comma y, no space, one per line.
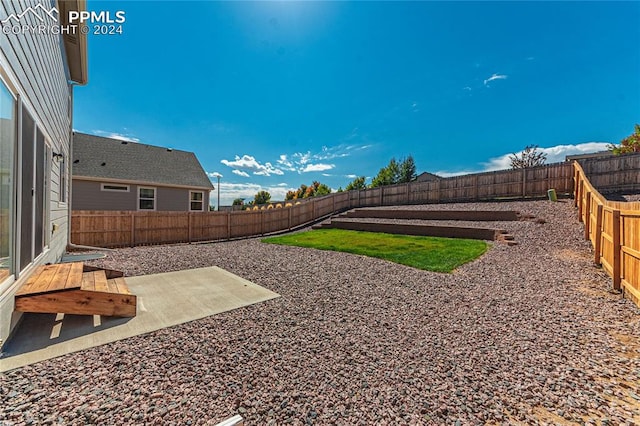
527,334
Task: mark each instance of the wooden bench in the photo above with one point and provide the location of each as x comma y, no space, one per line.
74,288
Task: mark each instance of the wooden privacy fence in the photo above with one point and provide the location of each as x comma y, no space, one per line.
613,174
127,228
614,231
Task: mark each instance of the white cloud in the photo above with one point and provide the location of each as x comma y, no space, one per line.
304,162
301,157
285,163
249,163
555,154
213,174
118,136
300,162
240,173
231,191
495,77
244,162
339,151
351,176
559,152
268,170
317,167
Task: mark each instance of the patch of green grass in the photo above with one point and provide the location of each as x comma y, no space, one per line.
428,253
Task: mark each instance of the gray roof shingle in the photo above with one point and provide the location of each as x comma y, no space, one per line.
99,157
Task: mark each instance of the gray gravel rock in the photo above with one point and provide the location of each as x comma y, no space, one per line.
527,334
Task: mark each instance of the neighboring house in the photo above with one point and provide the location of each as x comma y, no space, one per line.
112,174
578,157
37,75
427,177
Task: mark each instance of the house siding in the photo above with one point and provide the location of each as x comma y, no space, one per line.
34,68
88,195
177,199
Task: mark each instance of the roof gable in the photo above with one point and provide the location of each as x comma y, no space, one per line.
99,157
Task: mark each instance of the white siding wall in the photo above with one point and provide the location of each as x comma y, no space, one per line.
34,67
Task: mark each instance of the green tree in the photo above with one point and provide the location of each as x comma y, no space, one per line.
629,144
387,175
291,195
357,183
407,170
239,202
529,157
262,197
321,190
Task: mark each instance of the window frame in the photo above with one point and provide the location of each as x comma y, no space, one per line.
128,188
10,180
155,198
191,200
62,179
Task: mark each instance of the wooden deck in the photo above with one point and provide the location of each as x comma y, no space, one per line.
72,288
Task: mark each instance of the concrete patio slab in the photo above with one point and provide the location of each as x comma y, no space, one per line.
164,300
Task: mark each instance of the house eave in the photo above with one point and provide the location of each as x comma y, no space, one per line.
75,43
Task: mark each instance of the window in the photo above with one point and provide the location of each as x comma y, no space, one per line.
146,198
114,187
196,201
7,158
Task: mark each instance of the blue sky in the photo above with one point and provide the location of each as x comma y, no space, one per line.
275,94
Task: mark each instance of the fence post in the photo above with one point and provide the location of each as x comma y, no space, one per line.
382,195
228,225
262,222
290,209
598,243
587,216
475,188
408,193
133,230
313,208
616,249
438,191
189,226
579,198
576,180
548,178
524,182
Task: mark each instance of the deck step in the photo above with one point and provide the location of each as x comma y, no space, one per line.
53,278
94,281
118,285
64,288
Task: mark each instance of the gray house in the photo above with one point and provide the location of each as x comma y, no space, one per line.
427,177
112,174
37,74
